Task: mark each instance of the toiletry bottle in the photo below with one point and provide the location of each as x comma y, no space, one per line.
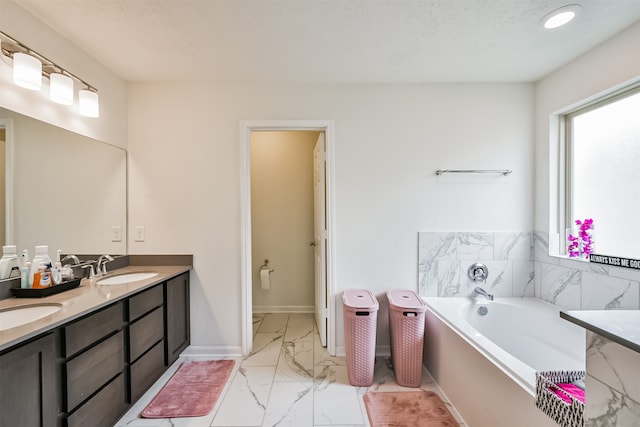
46,279
40,260
36,277
24,270
56,270
9,263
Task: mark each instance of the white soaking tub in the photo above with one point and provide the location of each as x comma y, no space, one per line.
486,364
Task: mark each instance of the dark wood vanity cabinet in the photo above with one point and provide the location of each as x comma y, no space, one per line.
30,391
177,325
94,367
89,371
146,340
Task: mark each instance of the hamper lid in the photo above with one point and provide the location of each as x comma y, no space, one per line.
362,299
402,299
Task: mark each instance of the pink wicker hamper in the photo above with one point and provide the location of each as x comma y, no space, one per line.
406,327
360,318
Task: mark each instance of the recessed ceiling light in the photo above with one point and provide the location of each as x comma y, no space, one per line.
560,16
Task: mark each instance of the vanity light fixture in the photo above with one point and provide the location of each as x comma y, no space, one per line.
61,88
29,68
559,17
27,71
88,103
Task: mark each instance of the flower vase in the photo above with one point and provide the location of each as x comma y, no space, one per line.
573,242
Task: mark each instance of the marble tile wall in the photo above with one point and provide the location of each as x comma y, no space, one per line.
580,285
445,257
613,385
520,266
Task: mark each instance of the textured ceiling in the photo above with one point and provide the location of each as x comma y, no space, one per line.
337,41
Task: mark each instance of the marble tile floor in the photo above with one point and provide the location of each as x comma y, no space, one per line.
288,380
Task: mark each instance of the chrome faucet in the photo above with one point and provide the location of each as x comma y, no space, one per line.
479,291
71,257
103,260
92,272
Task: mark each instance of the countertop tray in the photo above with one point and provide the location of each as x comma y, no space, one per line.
45,292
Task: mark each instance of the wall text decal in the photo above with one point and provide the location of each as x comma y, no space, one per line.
615,260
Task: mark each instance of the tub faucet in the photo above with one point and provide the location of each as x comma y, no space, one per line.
480,291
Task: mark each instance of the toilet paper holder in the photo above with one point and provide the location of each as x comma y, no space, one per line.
266,266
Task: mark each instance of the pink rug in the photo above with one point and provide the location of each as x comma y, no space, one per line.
192,391
407,408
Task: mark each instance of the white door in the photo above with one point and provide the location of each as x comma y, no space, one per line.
319,236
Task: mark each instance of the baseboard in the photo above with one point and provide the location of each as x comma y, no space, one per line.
283,309
213,351
383,350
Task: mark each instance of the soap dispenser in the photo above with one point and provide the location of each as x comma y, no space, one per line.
24,269
9,263
56,270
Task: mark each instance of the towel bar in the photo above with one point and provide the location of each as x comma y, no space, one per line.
504,172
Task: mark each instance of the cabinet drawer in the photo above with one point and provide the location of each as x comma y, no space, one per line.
93,368
145,332
145,302
147,370
90,329
104,409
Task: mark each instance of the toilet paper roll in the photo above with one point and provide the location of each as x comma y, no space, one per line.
265,282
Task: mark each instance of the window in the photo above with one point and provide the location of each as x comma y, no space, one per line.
602,173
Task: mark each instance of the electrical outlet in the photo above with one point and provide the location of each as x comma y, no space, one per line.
116,233
139,233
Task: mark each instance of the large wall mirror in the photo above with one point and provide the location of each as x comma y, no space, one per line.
60,189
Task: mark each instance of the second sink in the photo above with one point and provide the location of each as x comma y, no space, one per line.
13,317
120,279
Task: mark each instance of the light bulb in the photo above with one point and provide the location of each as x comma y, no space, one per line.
27,71
89,104
61,88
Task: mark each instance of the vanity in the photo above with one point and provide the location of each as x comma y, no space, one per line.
613,366
106,344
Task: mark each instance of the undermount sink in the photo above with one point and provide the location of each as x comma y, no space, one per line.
12,317
120,279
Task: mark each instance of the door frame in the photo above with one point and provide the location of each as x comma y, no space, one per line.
246,127
7,124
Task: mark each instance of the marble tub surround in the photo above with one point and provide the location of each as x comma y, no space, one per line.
289,379
444,258
612,383
580,285
612,365
86,298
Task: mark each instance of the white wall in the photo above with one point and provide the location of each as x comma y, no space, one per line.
110,127
282,219
613,63
184,147
572,284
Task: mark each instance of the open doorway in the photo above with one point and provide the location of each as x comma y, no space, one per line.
316,242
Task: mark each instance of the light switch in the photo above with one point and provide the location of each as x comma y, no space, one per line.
116,233
139,233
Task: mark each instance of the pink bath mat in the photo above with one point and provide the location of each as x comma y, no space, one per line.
192,391
407,408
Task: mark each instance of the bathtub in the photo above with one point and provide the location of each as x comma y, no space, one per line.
486,364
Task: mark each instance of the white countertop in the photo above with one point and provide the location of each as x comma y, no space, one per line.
82,300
